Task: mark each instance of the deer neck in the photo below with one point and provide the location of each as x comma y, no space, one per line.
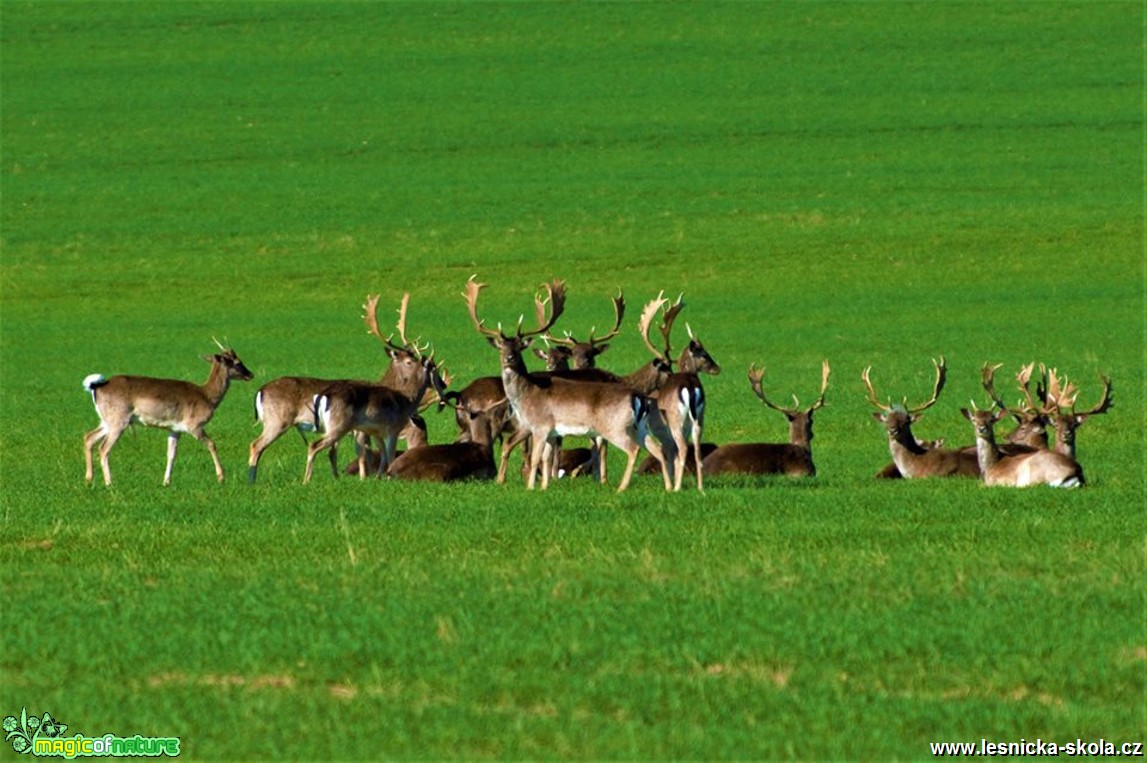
987,451
647,379
1065,436
800,431
218,380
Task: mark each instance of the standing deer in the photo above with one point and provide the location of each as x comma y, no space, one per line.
289,401
912,460
1036,467
548,407
177,406
793,458
1061,396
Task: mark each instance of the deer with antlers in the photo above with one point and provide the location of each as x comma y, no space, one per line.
914,461
793,458
1060,407
372,410
177,406
1034,467
548,407
289,401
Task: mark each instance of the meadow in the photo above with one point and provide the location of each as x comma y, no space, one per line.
875,184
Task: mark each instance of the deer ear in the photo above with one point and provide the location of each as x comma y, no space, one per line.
878,416
966,414
493,342
600,348
211,358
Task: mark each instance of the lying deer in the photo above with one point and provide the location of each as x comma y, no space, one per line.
793,458
289,401
1060,407
470,457
912,460
1037,467
550,407
177,406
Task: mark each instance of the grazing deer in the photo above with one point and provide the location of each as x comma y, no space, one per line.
470,457
1037,467
793,458
1061,396
548,407
177,406
912,460
289,401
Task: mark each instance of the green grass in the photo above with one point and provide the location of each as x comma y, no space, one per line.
870,183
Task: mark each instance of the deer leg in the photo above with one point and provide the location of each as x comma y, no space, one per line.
261,443
386,456
90,440
507,448
600,446
697,457
313,450
210,444
537,449
172,446
546,461
105,448
631,461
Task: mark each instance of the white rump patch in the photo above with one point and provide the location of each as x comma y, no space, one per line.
259,405
91,380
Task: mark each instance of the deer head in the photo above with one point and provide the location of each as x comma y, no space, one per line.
584,354
547,309
899,418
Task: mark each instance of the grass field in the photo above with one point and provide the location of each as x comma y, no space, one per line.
875,183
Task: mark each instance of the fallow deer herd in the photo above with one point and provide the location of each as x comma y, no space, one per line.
658,408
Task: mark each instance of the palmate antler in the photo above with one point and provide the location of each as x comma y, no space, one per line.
619,313
1062,394
370,317
941,378
757,375
669,313
555,299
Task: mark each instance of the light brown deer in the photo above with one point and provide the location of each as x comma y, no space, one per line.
548,407
912,460
373,410
1037,467
289,401
1061,397
793,458
177,406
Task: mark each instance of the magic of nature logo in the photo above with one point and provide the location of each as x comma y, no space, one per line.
45,736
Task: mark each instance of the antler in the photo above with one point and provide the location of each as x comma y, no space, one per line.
667,319
941,378
646,320
555,298
1063,394
987,379
619,312
756,375
370,317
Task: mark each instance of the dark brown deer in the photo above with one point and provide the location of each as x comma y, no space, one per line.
912,460
793,458
171,404
548,407
1034,467
471,457
289,401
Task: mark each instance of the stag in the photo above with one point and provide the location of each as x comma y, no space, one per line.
912,460
171,404
1035,467
549,407
793,458
1061,397
289,401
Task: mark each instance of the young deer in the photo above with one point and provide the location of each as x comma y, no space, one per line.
793,458
1037,467
912,460
177,406
548,407
289,401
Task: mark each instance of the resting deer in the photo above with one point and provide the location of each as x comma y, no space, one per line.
289,401
549,407
471,456
912,460
177,406
1036,467
414,435
793,458
1061,396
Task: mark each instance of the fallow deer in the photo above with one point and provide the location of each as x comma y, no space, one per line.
1061,397
1036,467
471,456
547,407
912,460
171,404
289,401
793,458
373,410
